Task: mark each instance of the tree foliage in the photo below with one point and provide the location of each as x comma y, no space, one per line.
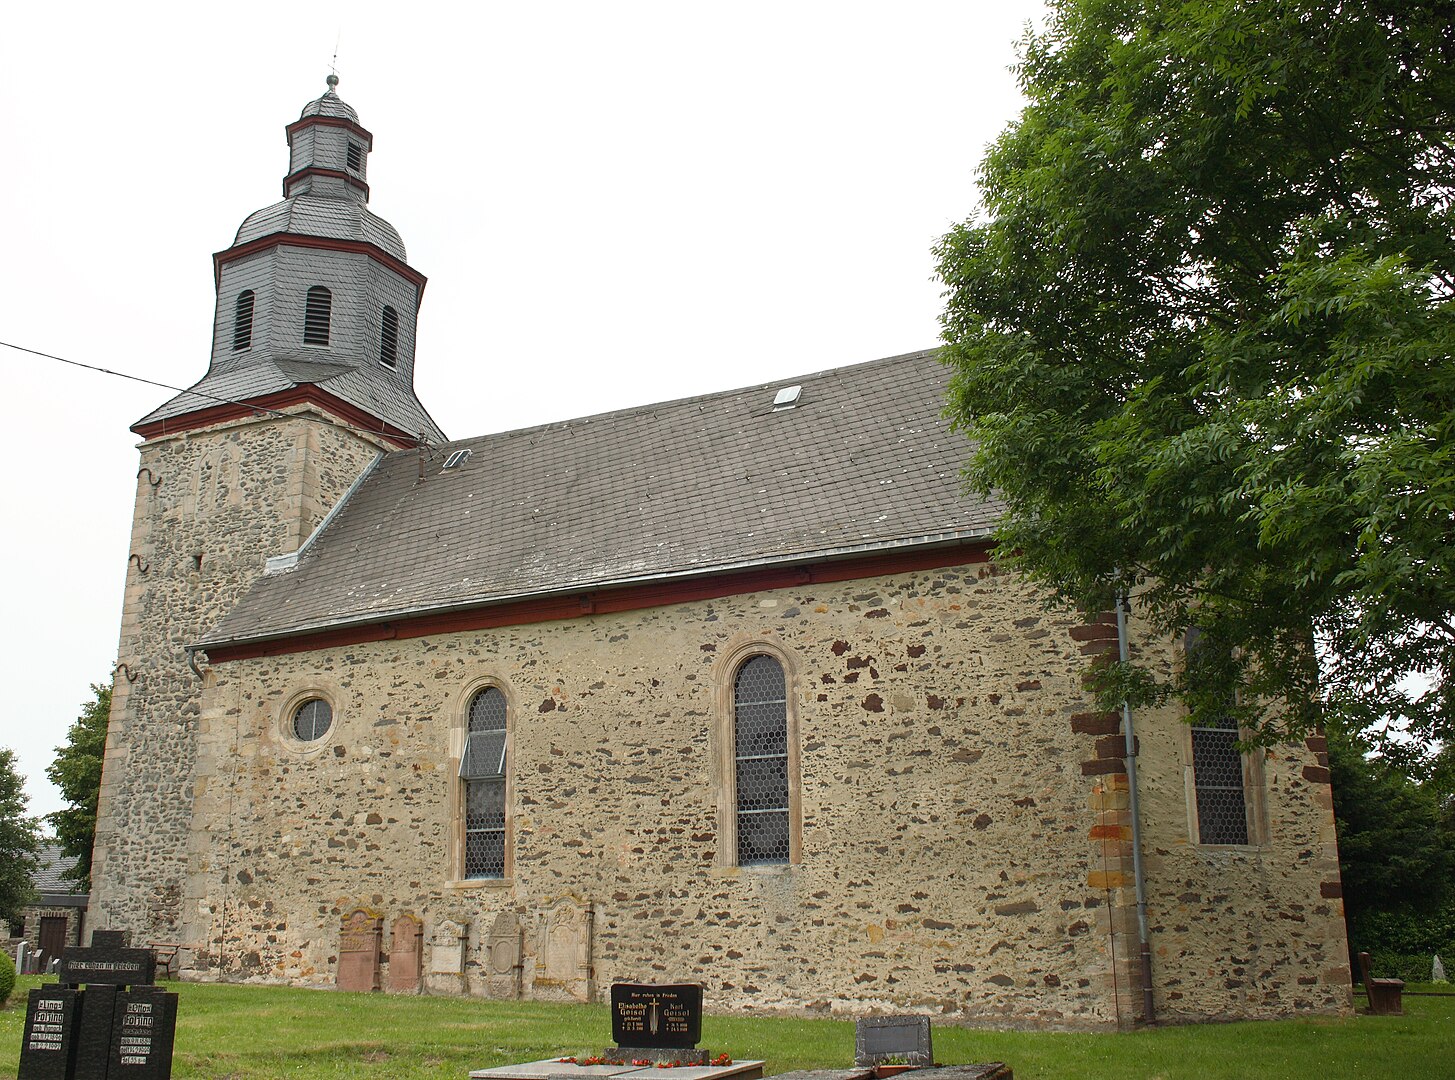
76,771
19,841
1203,333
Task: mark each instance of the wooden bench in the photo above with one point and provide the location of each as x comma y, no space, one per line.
1384,994
166,953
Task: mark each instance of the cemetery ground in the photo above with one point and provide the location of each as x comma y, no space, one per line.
256,1032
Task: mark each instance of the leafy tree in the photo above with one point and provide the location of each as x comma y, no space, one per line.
1396,852
1203,334
19,841
76,770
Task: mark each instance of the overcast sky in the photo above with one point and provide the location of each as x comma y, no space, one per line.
615,203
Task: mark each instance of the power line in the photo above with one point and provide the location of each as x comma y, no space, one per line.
201,394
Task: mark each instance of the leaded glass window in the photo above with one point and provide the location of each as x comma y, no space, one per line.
482,770
760,761
1217,770
317,314
311,720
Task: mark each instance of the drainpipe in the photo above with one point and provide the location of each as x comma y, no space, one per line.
1138,872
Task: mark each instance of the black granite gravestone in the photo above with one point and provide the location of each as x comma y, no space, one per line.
48,1046
142,1035
104,1032
647,1021
879,1037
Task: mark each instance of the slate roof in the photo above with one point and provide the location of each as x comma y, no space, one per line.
55,890
307,215
376,390
330,104
865,461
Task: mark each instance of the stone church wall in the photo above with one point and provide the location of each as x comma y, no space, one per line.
963,829
211,506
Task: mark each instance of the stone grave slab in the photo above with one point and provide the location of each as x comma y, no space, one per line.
548,1067
48,1044
144,1030
406,954
93,1033
358,951
552,1068
108,959
879,1037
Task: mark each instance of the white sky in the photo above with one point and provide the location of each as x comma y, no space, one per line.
615,203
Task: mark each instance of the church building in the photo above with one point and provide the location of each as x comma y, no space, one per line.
727,690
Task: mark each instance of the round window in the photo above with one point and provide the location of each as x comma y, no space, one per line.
311,720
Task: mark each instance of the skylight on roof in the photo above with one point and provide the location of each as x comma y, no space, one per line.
786,398
458,458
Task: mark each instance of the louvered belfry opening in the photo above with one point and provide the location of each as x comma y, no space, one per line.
760,750
242,321
482,769
389,338
316,316
356,157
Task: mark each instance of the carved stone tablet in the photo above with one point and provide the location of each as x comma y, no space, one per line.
647,1016
447,950
563,954
358,951
48,1045
880,1037
406,954
502,957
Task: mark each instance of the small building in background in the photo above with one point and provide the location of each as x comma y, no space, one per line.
57,918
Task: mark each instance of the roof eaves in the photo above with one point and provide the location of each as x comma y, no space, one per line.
943,539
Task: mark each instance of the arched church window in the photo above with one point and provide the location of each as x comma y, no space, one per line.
482,771
389,338
316,316
760,761
242,321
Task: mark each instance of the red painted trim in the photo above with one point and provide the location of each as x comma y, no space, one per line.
294,395
623,598
326,243
329,121
318,170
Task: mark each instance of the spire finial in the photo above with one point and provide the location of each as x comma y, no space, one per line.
332,81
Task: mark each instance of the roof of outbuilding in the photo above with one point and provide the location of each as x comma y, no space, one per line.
865,461
48,877
339,219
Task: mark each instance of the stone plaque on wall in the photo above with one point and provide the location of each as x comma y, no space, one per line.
358,951
406,955
503,957
563,954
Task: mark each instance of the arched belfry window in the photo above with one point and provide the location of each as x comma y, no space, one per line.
389,338
482,771
760,761
316,316
242,321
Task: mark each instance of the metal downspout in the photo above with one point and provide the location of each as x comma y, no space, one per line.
1138,872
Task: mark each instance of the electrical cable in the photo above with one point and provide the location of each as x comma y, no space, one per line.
414,441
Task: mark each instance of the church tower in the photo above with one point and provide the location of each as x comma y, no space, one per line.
311,380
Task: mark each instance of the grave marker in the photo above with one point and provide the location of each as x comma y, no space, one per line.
406,955
657,1022
880,1037
106,1031
358,951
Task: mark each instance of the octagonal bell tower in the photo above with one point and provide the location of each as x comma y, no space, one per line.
310,380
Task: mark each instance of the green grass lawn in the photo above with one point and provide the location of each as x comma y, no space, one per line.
252,1032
